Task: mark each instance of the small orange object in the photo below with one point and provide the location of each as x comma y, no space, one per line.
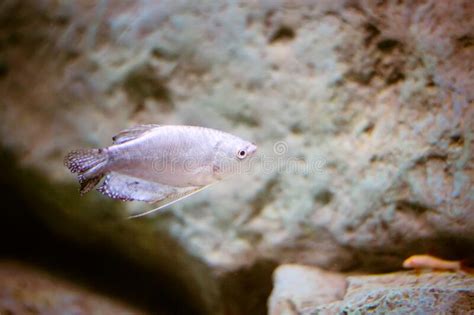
431,262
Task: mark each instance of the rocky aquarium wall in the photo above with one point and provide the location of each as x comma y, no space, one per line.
363,112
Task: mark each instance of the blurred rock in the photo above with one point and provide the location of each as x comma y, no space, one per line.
25,290
406,293
297,287
310,290
371,104
395,293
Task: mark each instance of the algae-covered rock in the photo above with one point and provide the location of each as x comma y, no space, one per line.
407,293
430,293
362,110
310,291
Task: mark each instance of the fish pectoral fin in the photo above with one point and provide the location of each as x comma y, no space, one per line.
181,193
132,133
128,188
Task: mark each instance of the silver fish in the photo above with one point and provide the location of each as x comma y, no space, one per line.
159,164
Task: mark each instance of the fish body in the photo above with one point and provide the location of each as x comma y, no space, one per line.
176,155
160,164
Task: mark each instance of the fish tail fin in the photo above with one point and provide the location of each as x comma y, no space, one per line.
90,165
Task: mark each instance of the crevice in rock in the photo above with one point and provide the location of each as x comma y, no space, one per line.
456,140
387,45
466,41
430,81
432,155
249,288
372,33
368,128
323,197
144,83
394,76
413,207
161,53
282,34
297,128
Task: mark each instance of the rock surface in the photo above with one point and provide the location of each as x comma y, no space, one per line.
25,290
310,291
363,112
406,293
298,287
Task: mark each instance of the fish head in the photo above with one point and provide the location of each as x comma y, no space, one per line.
245,151
233,156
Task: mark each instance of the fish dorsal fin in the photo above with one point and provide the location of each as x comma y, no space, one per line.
132,133
169,200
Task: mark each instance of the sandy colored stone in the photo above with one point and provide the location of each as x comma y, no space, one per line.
297,287
405,293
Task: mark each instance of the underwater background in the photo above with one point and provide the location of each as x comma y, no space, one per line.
363,112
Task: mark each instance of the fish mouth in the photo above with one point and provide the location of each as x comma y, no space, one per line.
252,148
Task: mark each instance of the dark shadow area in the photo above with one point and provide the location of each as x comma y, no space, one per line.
25,237
250,288
284,33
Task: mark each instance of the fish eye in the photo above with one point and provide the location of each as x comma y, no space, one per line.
242,154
